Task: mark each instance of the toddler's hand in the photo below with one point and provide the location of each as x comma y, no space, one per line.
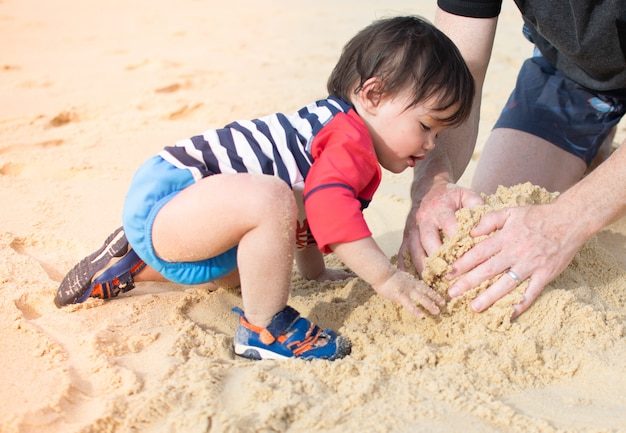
334,275
407,290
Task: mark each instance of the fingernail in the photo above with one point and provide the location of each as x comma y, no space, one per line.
477,306
454,291
450,275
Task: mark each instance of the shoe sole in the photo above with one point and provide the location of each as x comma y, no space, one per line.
257,353
78,280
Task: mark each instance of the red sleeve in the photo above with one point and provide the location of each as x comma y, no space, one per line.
341,182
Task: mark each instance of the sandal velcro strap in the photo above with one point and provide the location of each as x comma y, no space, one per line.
282,321
280,324
119,277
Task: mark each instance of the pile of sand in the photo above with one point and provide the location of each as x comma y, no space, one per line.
439,264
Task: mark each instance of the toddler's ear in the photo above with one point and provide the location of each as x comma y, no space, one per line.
370,93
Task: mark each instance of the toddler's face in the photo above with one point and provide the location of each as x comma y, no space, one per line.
402,137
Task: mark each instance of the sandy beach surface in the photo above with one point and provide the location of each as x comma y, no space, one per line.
90,90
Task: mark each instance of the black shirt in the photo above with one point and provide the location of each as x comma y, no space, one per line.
584,39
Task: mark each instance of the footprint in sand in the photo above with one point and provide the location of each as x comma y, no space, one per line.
33,275
11,169
184,111
169,89
63,118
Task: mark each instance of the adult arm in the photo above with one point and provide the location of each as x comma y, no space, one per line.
434,195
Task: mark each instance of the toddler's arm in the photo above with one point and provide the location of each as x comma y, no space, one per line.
370,263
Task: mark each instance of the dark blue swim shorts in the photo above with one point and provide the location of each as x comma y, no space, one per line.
549,105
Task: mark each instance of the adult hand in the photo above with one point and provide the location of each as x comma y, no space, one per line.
435,212
535,242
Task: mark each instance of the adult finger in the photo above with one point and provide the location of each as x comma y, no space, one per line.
503,285
411,244
490,222
478,264
429,240
534,289
461,198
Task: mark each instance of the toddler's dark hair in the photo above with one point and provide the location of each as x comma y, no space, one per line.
406,53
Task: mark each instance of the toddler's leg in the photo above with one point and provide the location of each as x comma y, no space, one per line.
102,274
256,212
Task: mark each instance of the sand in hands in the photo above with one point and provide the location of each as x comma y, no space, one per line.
439,264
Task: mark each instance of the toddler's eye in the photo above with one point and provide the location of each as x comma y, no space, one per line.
425,127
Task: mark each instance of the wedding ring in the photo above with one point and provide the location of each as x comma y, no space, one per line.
514,276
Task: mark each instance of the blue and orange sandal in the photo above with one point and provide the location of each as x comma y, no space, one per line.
103,274
287,336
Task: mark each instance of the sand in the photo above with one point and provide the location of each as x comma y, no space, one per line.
91,89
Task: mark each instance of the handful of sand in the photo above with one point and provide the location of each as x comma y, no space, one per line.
439,264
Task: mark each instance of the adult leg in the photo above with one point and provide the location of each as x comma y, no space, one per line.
256,212
548,131
510,157
606,149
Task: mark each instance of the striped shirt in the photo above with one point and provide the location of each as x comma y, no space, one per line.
324,151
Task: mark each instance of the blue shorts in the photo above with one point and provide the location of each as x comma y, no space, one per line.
154,184
549,105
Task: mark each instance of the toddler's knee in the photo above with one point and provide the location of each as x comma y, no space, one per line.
275,198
